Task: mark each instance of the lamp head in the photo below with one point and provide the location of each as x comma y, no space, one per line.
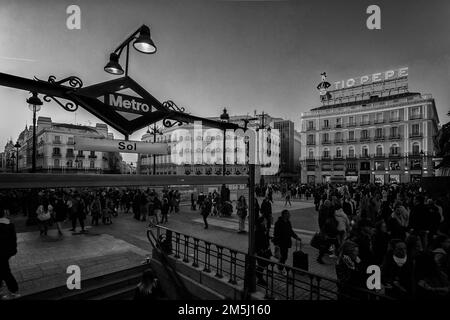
113,66
34,103
224,116
144,42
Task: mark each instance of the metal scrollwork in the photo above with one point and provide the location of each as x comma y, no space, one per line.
172,106
69,106
170,123
74,82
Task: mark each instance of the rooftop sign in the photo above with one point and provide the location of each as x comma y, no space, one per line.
369,79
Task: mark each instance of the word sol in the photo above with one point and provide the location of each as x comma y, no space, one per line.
74,280
374,280
74,19
127,146
374,20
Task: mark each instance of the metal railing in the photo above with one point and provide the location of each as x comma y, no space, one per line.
276,280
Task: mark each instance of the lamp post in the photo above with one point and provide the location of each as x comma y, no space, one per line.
17,146
225,118
154,131
13,157
34,104
422,154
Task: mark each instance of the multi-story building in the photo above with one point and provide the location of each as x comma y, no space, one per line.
56,150
200,166
290,150
381,133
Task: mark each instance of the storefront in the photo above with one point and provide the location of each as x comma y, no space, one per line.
379,179
364,178
394,178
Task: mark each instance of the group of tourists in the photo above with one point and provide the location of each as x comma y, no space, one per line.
399,228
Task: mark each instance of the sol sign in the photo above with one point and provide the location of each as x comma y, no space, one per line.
107,145
373,78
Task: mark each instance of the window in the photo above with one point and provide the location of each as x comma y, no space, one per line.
351,121
379,150
80,164
326,124
338,136
56,151
394,149
416,112
70,140
338,153
351,135
364,134
338,122
326,153
92,154
379,165
56,163
69,152
379,117
365,166
310,125
311,154
325,137
415,129
365,119
80,153
57,139
92,164
415,148
310,139
395,115
351,152
379,133
69,164
394,132
365,151
351,166
394,165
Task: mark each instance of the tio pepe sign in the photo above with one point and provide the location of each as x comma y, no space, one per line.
373,78
106,145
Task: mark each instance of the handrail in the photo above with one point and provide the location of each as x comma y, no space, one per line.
292,283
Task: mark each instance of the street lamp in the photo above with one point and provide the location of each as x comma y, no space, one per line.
13,157
154,131
225,118
34,104
17,146
142,43
422,154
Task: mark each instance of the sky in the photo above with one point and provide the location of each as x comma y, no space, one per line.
242,55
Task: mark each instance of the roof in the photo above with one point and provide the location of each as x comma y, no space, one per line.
74,126
371,100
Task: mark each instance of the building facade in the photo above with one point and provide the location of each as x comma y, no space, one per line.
379,136
56,150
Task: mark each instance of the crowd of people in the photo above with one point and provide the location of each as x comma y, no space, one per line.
400,228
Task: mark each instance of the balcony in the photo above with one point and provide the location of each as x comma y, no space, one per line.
338,158
395,120
395,137
310,143
394,155
92,156
416,155
326,158
364,139
326,128
416,135
379,156
351,140
56,155
338,141
351,157
379,138
311,129
364,156
379,121
80,156
310,159
350,125
56,141
70,155
415,116
326,142
365,123
338,126
71,142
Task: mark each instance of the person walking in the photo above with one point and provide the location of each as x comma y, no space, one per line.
282,235
77,212
193,202
205,210
8,249
164,210
96,210
242,213
266,212
262,249
60,212
288,198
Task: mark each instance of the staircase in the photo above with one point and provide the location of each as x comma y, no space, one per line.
118,285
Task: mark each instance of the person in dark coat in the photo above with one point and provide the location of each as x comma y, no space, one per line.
77,212
164,210
8,248
282,235
206,210
349,271
60,212
419,222
266,212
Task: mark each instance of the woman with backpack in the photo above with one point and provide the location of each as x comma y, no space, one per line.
242,213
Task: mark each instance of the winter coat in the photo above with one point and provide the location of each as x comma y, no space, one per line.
283,233
343,221
8,239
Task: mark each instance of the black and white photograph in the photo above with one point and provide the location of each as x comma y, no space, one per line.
235,152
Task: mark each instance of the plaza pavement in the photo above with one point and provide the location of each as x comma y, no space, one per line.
41,262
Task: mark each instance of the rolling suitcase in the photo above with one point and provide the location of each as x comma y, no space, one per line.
299,258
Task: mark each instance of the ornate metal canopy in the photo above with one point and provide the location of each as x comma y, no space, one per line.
91,98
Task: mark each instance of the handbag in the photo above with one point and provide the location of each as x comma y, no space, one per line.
43,215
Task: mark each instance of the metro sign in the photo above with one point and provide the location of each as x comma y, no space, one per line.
126,103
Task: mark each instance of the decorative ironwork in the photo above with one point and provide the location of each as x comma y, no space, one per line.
72,81
172,106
